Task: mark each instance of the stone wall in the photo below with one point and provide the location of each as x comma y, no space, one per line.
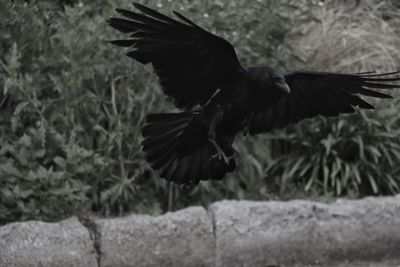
229,233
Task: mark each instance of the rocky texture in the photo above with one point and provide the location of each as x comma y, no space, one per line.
182,238
32,243
231,233
303,232
388,263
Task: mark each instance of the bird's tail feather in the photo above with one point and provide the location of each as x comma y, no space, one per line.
177,146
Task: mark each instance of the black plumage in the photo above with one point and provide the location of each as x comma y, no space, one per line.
219,98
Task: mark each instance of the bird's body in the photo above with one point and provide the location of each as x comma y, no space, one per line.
220,98
234,99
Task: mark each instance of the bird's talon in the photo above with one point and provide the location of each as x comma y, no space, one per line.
220,153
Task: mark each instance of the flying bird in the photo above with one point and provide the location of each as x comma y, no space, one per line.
218,97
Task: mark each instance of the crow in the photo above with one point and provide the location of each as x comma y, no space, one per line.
218,98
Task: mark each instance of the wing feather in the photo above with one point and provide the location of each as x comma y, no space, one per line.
317,93
191,63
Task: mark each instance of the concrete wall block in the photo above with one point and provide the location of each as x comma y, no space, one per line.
32,243
305,232
182,238
231,233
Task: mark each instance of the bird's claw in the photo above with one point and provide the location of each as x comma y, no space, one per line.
220,154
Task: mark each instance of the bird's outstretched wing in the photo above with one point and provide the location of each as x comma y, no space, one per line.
191,62
316,93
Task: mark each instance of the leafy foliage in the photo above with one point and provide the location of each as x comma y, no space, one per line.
352,157
70,132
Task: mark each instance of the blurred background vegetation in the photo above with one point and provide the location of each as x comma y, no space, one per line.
70,130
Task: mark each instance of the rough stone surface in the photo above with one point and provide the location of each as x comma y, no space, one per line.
386,263
389,263
33,243
232,233
304,232
182,238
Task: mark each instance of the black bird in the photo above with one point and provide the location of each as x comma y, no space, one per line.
220,98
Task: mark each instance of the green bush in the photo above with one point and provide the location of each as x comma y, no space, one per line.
70,132
355,156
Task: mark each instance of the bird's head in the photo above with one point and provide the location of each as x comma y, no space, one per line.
267,77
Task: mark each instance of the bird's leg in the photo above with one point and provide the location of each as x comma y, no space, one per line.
212,135
235,156
220,153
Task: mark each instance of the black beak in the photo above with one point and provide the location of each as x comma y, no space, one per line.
281,84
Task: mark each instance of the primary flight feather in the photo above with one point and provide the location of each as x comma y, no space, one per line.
220,98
